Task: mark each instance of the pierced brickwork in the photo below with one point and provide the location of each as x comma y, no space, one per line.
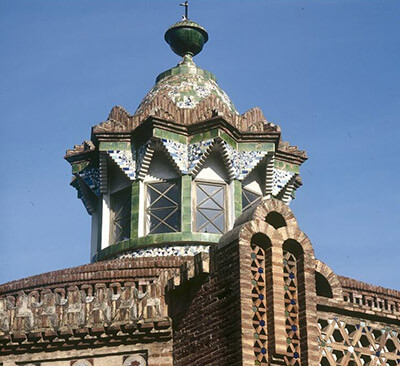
346,342
258,294
291,309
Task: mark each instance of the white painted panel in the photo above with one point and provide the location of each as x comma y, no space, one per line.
254,187
160,168
105,222
95,232
214,169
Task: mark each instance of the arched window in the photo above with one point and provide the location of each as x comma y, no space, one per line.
260,244
275,219
322,285
293,282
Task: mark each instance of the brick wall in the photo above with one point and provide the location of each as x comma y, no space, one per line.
206,314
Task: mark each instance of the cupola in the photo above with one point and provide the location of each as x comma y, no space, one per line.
173,177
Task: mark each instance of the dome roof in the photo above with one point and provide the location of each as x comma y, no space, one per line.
186,85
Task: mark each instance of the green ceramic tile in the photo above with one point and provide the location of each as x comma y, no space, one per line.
228,139
170,135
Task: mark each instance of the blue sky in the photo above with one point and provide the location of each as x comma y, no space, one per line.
326,71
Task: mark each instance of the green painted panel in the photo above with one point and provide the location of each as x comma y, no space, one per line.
237,187
256,146
78,167
135,210
158,132
114,145
228,139
156,240
186,203
203,136
286,166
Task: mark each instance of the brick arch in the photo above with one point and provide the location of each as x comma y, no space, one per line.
274,205
299,236
331,277
255,226
243,232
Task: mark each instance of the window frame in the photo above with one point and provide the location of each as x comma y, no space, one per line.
147,206
225,209
113,239
253,203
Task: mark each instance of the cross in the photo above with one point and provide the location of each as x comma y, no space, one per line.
186,5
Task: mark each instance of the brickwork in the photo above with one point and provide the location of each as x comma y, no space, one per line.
155,354
206,314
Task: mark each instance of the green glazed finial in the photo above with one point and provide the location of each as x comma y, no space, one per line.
186,38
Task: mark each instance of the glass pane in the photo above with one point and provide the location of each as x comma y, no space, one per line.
163,207
208,188
161,228
160,202
173,193
153,194
210,217
219,222
249,199
219,197
245,200
210,228
210,204
174,220
209,214
201,196
161,186
120,205
200,219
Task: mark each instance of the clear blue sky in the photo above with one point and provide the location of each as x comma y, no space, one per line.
328,72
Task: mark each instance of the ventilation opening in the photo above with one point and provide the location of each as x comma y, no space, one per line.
323,287
261,240
275,219
293,247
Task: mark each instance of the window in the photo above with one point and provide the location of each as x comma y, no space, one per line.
210,208
120,220
163,207
249,199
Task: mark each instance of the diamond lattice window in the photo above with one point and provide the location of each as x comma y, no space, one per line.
210,208
163,207
249,199
120,220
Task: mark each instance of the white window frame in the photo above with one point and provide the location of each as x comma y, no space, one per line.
226,209
146,205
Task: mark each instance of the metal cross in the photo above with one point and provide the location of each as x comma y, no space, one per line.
186,5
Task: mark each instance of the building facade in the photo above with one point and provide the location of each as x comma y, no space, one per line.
196,257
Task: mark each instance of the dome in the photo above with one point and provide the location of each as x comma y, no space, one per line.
186,85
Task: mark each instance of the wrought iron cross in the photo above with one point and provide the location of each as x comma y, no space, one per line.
186,5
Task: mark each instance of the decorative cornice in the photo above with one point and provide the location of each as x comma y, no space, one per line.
351,284
80,150
291,154
119,120
90,274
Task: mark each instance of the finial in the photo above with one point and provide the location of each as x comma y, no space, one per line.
186,5
186,37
